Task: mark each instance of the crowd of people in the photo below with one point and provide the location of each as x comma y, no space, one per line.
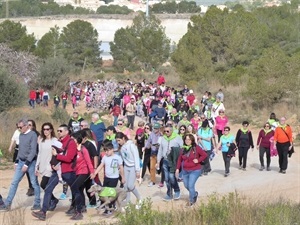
178,134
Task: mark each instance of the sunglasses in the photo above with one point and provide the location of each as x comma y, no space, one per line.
20,127
267,126
182,129
202,118
147,128
166,131
59,131
46,129
30,125
120,124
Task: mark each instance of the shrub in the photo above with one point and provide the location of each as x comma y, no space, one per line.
12,93
60,115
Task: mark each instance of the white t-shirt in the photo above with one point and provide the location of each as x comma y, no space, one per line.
15,136
111,165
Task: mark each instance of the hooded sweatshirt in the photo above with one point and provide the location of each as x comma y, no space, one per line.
130,155
166,143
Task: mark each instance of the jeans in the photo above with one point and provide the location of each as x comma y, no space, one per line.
189,181
18,177
31,102
226,161
170,179
70,179
52,183
262,151
116,121
131,121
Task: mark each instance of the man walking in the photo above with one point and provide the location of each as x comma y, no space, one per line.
169,148
25,161
283,140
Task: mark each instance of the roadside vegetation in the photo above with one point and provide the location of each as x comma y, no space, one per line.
230,209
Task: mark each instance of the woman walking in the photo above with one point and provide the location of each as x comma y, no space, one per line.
130,156
264,144
190,159
244,141
225,141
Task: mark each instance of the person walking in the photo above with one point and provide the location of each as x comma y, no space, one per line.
130,112
225,141
130,156
264,144
244,141
98,128
190,159
283,140
153,146
169,148
25,162
205,135
113,168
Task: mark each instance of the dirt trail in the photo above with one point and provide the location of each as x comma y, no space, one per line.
255,184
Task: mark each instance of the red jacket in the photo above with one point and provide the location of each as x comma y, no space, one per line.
83,162
67,159
116,110
187,159
32,94
160,80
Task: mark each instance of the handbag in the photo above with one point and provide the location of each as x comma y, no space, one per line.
292,149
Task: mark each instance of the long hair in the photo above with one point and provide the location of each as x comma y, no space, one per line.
43,137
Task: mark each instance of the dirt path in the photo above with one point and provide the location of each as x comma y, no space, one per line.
255,184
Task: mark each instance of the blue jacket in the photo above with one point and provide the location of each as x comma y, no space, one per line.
99,129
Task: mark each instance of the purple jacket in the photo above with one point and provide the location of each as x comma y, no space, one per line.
263,139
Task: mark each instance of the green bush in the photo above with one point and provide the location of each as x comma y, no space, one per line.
225,210
60,116
113,9
12,93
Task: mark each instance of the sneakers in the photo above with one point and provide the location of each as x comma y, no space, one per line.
39,214
179,179
53,204
63,196
240,167
70,211
160,184
89,206
4,207
167,198
283,171
30,192
151,184
261,168
83,209
226,174
107,213
244,169
205,173
77,216
195,197
177,195
36,207
268,168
